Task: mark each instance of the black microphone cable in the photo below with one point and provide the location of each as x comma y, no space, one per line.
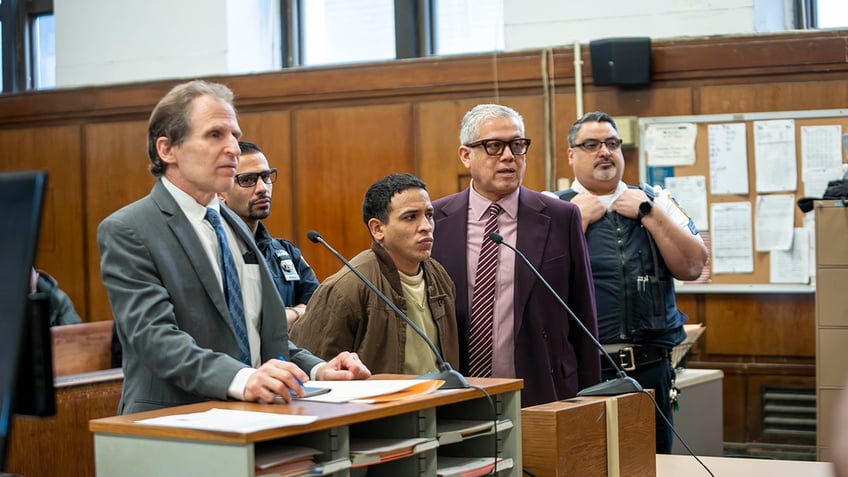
452,378
624,381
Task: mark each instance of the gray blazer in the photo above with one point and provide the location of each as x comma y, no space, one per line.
171,314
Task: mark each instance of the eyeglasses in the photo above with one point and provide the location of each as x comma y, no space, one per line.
495,147
248,179
593,145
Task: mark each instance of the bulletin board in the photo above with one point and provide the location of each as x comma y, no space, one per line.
758,281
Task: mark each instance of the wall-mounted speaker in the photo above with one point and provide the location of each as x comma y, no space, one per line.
621,61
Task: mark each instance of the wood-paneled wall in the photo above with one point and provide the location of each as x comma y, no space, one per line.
333,131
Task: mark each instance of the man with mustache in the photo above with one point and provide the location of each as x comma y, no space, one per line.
639,240
513,327
344,314
250,198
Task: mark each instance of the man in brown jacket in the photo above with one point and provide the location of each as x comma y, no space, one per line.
344,314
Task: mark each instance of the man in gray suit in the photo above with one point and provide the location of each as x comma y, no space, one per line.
197,321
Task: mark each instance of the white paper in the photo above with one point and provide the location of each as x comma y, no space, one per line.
731,238
815,180
230,420
671,144
776,167
728,148
691,192
345,391
793,265
809,224
775,218
821,147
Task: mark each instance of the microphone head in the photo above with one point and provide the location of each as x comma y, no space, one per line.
496,237
313,236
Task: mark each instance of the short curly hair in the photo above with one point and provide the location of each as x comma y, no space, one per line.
379,196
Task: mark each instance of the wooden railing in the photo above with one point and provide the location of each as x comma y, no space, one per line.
86,389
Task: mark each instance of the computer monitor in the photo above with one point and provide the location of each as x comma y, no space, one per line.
21,202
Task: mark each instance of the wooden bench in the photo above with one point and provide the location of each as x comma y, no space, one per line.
81,348
86,389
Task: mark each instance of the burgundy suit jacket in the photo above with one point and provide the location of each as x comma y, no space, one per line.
552,354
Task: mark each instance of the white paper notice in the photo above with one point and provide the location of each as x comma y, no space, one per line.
815,180
728,158
793,265
774,155
671,144
691,193
809,224
775,216
731,236
821,148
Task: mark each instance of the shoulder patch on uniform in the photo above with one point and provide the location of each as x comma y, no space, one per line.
692,227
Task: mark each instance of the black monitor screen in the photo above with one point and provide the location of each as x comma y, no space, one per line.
21,201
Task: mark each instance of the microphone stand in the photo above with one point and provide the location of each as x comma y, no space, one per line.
452,378
622,383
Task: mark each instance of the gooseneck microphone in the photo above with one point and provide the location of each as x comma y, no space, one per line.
622,383
451,377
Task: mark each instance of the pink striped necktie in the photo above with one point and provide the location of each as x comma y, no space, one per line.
483,303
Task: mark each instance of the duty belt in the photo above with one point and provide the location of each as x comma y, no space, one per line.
630,356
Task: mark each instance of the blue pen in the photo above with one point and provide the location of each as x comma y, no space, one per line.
281,358
308,391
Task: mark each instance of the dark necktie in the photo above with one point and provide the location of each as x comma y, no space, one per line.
483,303
232,287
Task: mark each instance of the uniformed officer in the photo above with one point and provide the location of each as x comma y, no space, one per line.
250,198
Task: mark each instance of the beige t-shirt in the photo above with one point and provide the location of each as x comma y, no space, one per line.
419,357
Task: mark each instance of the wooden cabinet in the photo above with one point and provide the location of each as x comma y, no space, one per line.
127,449
831,314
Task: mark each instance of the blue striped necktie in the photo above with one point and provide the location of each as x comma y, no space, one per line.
232,287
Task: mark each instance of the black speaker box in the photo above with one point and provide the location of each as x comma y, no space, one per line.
621,61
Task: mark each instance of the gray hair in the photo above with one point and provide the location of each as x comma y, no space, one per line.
170,117
470,129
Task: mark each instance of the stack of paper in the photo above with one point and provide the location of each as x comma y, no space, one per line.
449,431
470,466
330,466
284,461
693,332
367,451
373,390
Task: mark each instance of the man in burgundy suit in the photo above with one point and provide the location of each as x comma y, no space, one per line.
527,334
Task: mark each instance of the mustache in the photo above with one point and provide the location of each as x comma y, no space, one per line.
261,197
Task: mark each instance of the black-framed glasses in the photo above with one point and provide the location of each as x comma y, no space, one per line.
495,147
593,145
249,179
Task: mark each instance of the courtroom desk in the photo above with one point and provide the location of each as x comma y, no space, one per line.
128,449
61,445
681,465
700,418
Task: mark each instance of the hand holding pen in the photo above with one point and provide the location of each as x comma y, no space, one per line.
275,379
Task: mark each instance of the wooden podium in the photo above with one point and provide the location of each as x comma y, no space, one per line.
590,436
126,448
